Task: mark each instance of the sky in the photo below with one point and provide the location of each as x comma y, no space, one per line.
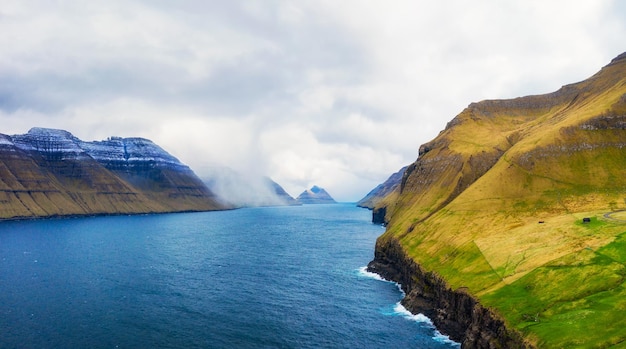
337,93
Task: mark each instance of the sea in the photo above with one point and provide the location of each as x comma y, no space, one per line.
271,277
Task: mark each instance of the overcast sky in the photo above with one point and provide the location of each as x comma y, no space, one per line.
336,93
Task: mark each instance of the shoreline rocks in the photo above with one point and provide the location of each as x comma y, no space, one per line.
455,313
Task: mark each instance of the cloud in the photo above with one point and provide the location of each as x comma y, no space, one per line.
339,94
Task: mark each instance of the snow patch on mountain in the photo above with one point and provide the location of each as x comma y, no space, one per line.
60,145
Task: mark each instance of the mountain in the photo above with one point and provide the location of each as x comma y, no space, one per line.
383,196
49,172
382,190
509,229
315,195
239,190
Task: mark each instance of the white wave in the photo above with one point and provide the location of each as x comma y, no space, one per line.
400,310
442,338
421,318
424,320
363,271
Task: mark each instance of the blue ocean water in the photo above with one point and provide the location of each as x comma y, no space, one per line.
276,277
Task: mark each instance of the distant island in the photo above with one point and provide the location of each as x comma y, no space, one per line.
315,195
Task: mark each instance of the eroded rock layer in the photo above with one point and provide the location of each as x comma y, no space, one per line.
49,172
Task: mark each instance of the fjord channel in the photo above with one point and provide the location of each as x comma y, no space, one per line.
272,277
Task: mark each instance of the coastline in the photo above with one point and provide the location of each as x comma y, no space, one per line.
104,214
455,313
401,309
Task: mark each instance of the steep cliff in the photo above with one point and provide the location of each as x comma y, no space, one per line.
455,312
493,209
49,172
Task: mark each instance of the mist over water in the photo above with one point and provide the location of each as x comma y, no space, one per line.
278,277
244,189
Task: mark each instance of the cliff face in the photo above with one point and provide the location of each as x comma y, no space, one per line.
50,172
456,313
494,203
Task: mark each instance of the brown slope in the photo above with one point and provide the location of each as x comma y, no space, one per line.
36,183
476,139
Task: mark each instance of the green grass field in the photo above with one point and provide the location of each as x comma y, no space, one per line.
577,300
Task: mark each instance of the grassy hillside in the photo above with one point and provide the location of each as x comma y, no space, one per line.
495,205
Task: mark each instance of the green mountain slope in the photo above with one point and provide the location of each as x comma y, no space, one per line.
494,205
48,173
